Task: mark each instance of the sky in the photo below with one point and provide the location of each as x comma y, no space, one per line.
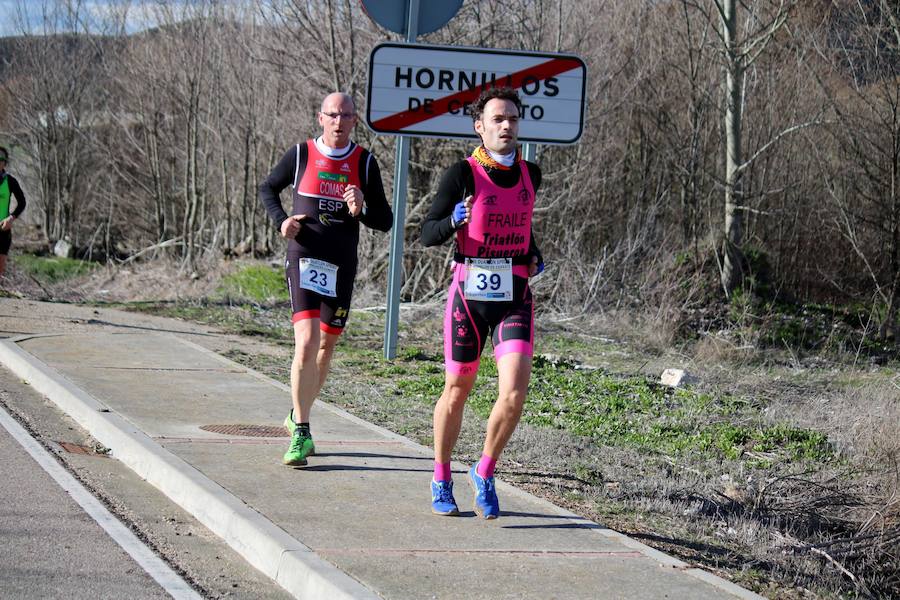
18,17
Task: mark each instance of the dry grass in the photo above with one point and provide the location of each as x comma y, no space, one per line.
162,280
833,529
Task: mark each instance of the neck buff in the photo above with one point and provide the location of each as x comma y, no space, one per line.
489,160
331,152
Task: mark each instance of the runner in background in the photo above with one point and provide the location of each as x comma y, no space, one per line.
9,188
336,186
487,201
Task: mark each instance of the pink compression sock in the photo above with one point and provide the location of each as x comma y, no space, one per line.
441,471
486,466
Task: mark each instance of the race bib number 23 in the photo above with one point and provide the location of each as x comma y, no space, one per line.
318,276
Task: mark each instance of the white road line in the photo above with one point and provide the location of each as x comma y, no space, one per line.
174,585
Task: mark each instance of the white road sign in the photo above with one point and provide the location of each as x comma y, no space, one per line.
420,90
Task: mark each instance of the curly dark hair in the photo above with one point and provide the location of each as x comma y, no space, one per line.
504,93
4,153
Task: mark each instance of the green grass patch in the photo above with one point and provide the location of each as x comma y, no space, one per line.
53,269
425,387
826,330
611,410
636,412
255,283
572,346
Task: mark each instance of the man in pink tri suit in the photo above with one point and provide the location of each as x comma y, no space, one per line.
487,200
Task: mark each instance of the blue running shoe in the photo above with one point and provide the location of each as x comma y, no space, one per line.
486,503
442,502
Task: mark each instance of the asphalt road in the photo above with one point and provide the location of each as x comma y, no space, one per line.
51,547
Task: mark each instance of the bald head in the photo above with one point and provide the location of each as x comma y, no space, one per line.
337,118
339,98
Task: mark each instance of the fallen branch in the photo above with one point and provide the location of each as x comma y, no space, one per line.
163,244
835,563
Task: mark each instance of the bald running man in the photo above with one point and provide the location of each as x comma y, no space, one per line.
336,185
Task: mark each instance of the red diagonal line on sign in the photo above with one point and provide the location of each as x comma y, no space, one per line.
440,106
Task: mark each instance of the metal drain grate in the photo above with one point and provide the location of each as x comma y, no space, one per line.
79,449
247,430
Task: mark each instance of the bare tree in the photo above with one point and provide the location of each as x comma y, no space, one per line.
740,49
863,174
58,100
193,111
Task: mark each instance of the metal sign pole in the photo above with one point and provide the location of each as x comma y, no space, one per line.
529,151
395,273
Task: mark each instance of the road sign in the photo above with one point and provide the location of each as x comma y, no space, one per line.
393,14
421,90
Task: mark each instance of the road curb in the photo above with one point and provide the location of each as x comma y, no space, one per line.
294,566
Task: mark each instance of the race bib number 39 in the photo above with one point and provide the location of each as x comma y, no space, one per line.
489,279
318,276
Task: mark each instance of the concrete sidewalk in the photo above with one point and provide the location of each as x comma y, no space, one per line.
355,522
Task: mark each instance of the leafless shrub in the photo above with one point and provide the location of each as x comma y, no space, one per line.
185,118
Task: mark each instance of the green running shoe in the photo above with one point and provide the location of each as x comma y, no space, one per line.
290,425
301,447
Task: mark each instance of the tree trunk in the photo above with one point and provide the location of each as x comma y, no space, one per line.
889,325
732,257
159,200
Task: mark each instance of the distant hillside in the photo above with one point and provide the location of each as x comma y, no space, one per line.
16,50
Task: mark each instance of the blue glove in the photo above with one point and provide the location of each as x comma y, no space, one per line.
459,215
540,268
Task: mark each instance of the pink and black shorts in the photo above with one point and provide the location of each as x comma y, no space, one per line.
467,323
